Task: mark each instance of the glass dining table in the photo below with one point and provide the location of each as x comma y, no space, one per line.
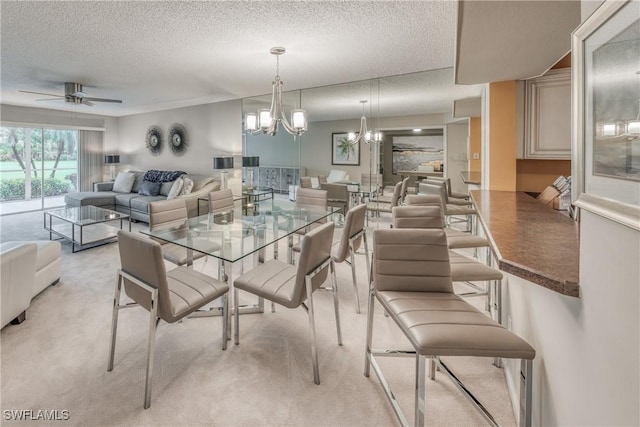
240,236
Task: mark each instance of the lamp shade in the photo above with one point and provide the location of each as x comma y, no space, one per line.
223,162
111,159
251,162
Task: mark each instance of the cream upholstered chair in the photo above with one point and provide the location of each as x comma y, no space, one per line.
168,214
463,269
457,239
449,210
450,193
292,286
305,182
309,198
167,295
220,201
322,179
380,206
337,196
18,271
412,282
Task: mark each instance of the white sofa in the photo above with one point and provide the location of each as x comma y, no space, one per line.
337,175
46,266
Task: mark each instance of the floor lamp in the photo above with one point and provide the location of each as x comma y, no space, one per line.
250,163
223,163
112,160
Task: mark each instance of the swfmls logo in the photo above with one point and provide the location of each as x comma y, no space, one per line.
36,415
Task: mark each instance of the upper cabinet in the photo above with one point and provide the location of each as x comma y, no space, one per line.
547,116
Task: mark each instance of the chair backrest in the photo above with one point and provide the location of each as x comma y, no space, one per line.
305,182
315,249
142,258
322,179
220,201
370,179
397,192
337,196
403,190
410,260
311,197
353,224
417,217
437,190
425,200
165,214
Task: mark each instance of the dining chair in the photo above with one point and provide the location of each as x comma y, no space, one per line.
412,282
293,286
167,295
172,214
307,198
221,201
450,210
305,182
337,196
457,239
463,269
380,206
322,179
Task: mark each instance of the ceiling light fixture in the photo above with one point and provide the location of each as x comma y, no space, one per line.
364,135
266,121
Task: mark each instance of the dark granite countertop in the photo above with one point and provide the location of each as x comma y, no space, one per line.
471,177
530,240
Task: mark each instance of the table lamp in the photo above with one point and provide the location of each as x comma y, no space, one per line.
223,163
250,163
112,160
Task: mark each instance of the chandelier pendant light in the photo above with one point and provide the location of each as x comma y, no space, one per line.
266,121
364,135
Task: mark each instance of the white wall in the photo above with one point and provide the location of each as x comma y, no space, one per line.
212,130
282,149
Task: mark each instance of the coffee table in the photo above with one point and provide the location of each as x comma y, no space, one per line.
70,219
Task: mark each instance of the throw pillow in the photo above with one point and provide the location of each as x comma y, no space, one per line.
187,187
124,182
148,188
176,188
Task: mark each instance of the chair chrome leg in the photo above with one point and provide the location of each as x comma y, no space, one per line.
153,323
225,320
236,316
273,307
114,322
526,388
419,403
366,255
432,368
353,276
334,288
312,327
367,352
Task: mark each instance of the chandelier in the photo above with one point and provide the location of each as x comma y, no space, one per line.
266,121
364,135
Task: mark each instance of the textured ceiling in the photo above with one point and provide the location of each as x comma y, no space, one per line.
158,55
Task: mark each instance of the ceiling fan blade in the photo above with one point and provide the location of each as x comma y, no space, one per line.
118,101
42,93
86,101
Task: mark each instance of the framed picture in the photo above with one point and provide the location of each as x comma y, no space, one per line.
606,113
418,152
343,152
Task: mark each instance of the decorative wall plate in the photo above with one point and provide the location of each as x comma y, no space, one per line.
154,140
177,139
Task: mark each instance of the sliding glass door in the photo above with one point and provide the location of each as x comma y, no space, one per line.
38,167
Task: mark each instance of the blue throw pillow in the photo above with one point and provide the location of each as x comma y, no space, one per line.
148,188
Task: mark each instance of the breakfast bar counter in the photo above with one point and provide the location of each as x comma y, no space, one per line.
530,240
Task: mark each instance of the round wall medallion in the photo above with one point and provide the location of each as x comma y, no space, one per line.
177,139
154,140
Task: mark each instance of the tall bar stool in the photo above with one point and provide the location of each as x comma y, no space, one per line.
450,193
412,282
450,210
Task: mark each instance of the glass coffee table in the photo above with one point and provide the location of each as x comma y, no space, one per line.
85,226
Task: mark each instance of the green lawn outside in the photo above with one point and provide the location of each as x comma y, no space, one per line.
12,169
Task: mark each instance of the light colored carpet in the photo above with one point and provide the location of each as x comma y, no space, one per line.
57,359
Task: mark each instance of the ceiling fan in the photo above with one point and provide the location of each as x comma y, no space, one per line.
73,94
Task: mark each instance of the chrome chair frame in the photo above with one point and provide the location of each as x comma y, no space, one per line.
352,262
309,309
154,320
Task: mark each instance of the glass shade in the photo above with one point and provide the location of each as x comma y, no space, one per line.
223,162
351,136
251,122
633,127
265,118
299,120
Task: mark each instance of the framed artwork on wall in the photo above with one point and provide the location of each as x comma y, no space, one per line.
606,113
343,152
